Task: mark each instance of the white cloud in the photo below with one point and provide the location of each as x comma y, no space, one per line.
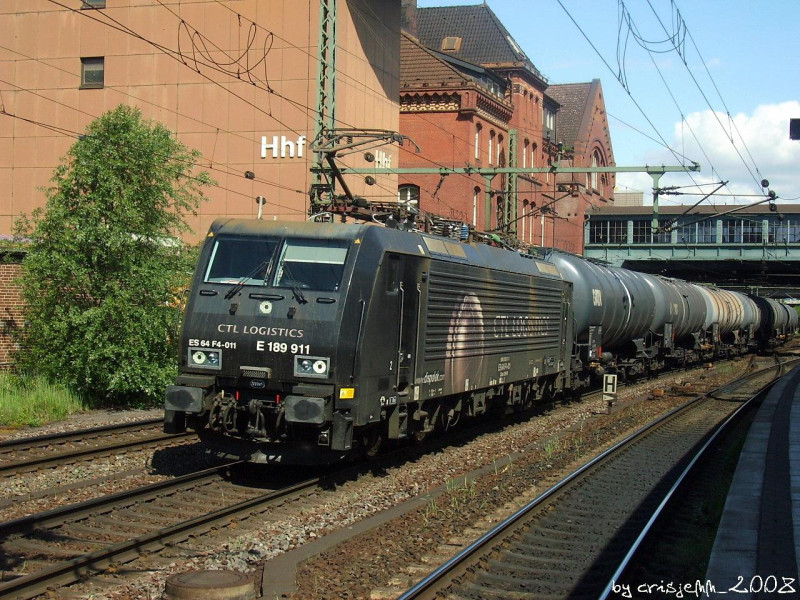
735,147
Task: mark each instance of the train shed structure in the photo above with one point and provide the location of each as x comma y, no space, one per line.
751,248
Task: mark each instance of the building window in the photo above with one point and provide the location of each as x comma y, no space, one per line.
491,146
501,152
501,211
706,232
752,232
687,234
523,220
548,122
94,4
778,232
731,231
451,44
597,179
793,229
478,130
525,150
617,232
92,72
408,194
598,232
642,232
614,231
663,235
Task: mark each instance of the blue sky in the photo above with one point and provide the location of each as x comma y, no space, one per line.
743,60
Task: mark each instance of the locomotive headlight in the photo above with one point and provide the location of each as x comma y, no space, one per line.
311,366
304,366
205,358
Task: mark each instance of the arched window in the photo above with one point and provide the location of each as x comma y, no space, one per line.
598,179
525,152
501,151
491,146
478,129
408,193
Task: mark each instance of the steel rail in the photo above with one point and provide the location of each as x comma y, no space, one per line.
75,435
429,581
74,512
623,566
37,462
76,569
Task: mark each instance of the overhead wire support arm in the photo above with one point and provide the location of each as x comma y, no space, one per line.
491,171
339,141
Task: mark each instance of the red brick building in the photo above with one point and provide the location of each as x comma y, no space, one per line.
470,97
459,115
583,130
10,304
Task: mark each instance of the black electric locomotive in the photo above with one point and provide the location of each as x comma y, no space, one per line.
304,341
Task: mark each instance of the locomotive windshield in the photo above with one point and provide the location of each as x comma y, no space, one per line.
242,261
311,264
292,263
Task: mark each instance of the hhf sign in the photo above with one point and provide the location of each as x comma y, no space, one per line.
283,146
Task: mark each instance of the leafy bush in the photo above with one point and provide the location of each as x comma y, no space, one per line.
104,263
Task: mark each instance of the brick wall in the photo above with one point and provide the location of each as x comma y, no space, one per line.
10,305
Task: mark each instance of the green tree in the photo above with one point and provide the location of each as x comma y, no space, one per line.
105,264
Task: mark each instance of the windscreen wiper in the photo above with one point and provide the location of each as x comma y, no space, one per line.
298,295
301,299
243,281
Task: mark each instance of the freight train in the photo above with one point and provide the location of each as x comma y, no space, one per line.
310,342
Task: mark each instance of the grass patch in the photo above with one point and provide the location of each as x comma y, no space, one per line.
29,402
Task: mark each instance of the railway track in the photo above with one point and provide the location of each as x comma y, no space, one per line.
45,551
30,454
570,541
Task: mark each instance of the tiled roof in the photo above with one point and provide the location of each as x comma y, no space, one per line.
573,98
484,39
419,66
423,67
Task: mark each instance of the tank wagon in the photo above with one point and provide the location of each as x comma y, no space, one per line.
778,321
306,342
